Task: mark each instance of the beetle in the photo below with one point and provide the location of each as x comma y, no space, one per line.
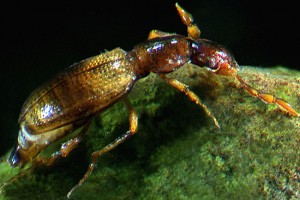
54,110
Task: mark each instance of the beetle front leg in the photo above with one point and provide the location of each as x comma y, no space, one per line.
158,34
191,95
133,125
192,29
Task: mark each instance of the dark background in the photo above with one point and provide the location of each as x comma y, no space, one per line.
38,41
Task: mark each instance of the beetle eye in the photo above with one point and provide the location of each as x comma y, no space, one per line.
14,157
208,61
202,60
212,64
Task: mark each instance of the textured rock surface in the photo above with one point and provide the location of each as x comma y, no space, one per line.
178,153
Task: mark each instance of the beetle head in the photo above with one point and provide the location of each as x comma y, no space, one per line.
213,56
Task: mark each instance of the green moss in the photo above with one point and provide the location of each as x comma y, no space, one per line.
178,153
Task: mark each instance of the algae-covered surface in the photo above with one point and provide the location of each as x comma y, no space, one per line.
178,153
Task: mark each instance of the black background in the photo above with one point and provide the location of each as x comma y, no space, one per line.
38,41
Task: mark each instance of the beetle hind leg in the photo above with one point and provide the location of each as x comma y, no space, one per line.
64,151
15,178
133,124
65,148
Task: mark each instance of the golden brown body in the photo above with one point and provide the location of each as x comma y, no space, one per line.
73,97
88,87
82,90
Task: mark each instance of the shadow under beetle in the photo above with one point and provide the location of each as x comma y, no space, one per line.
73,97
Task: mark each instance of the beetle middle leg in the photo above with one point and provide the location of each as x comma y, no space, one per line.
133,125
191,95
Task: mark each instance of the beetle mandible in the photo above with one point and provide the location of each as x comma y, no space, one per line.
53,111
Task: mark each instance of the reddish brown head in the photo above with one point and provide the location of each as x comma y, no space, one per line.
214,56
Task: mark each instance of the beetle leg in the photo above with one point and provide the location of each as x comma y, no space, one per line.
268,98
192,29
133,125
14,178
191,95
157,34
65,148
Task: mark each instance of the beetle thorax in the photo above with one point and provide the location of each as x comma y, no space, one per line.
161,55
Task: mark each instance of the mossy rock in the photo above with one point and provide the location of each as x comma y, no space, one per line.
178,153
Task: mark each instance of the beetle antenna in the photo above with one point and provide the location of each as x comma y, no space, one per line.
268,98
